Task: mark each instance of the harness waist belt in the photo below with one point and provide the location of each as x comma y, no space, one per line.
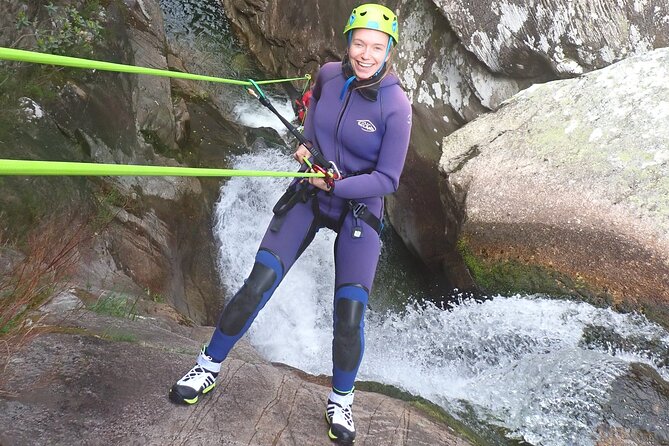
295,194
361,211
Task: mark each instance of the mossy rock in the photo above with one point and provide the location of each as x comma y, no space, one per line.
511,276
469,428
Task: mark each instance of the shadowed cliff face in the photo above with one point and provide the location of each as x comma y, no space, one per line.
154,233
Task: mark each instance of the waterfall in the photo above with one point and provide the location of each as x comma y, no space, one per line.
541,368
522,362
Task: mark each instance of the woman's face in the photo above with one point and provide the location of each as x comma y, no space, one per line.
367,51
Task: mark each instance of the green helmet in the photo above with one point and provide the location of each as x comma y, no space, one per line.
373,16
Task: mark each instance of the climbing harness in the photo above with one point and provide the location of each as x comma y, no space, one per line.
297,192
361,212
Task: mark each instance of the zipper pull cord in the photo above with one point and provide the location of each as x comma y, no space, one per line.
348,83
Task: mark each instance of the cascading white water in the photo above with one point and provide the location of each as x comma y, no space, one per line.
249,114
520,361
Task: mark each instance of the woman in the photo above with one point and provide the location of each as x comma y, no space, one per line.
360,119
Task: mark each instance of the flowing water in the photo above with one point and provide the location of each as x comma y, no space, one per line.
524,363
528,364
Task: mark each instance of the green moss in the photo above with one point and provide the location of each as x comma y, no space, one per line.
108,201
116,336
151,137
471,429
428,408
155,297
516,277
116,305
656,313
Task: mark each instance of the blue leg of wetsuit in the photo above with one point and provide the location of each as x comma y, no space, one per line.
278,251
355,263
356,260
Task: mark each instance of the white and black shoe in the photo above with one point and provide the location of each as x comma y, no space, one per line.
198,381
340,418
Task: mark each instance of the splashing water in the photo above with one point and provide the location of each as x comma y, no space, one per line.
525,363
521,362
250,115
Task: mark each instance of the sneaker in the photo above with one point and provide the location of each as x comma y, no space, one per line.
340,418
198,381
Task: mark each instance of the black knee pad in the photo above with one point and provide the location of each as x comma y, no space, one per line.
347,345
247,299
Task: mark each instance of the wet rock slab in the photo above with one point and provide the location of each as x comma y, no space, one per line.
87,386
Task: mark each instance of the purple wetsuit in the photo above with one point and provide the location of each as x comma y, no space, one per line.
365,131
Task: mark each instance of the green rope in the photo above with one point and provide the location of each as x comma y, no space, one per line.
66,61
24,167
257,87
307,82
60,168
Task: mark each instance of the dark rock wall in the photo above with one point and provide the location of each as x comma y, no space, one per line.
156,231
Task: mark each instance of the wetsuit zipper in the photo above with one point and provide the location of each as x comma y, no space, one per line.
349,93
337,138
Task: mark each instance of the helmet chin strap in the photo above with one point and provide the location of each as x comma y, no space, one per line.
390,45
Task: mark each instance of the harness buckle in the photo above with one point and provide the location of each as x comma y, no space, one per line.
358,209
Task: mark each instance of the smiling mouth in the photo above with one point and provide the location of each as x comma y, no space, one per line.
365,65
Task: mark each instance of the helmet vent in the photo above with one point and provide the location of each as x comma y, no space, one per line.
372,16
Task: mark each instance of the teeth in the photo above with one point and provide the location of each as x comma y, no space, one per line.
365,65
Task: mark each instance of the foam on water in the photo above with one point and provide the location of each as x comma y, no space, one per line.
253,115
293,327
522,362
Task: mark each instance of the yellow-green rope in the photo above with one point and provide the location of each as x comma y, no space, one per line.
60,168
75,62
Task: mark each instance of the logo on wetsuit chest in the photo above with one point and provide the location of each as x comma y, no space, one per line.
366,125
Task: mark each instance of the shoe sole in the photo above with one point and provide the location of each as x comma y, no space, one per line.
176,398
333,437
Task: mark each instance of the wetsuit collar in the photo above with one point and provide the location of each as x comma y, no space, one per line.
368,88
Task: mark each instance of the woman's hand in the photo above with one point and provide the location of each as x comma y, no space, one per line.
301,153
319,183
